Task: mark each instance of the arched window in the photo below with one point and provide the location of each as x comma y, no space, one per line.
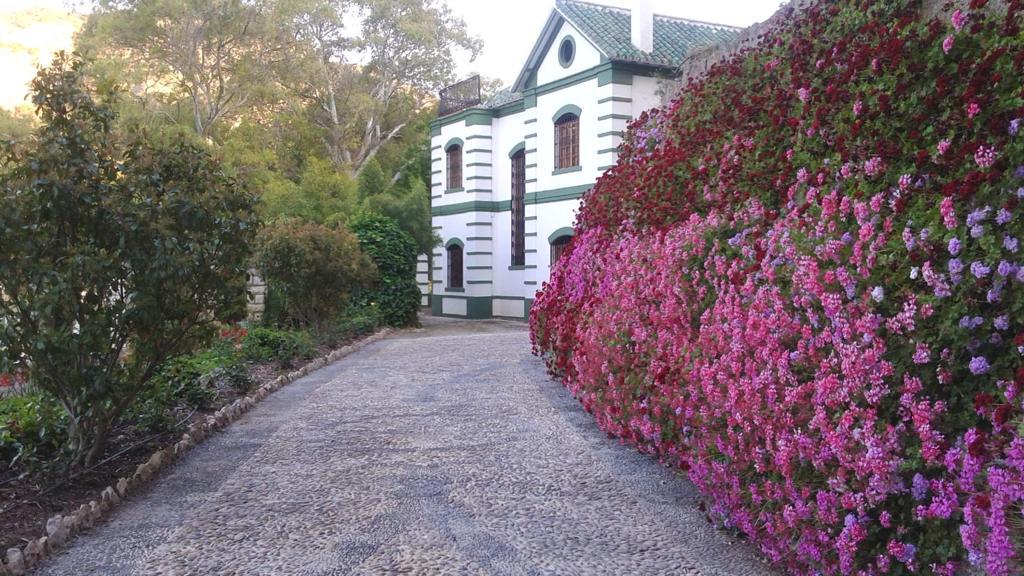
567,141
519,208
454,153
558,246
454,265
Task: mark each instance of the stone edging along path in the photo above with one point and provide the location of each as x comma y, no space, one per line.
60,529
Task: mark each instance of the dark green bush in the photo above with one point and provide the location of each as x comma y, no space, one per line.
394,252
312,270
358,321
281,346
33,429
111,242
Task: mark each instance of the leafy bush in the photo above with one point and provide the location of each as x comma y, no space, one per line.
802,283
358,321
117,255
191,383
283,347
33,429
312,271
397,295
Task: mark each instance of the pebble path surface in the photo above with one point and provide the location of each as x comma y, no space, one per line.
444,450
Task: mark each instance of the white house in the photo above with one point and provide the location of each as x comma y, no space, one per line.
508,173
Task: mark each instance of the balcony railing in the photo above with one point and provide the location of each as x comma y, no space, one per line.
460,96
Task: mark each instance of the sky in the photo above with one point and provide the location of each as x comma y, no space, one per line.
509,29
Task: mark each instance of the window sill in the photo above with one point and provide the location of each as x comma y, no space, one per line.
451,289
454,190
517,267
567,170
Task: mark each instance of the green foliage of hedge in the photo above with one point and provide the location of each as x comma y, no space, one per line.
33,429
312,271
394,252
280,346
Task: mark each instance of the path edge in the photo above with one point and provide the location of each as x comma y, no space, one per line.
60,530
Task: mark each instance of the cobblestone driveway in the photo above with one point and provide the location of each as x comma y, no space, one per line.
444,450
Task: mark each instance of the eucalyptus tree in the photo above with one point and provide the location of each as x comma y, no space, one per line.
216,53
368,68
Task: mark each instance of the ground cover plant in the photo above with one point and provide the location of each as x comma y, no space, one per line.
803,284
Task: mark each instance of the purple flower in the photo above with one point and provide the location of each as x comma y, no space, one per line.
1003,216
1001,322
1019,173
1005,268
955,267
971,323
979,365
954,246
994,294
847,238
977,231
878,294
979,269
925,233
1010,243
1020,274
914,273
978,216
1014,126
919,487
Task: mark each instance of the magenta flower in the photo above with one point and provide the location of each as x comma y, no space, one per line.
947,44
973,109
958,19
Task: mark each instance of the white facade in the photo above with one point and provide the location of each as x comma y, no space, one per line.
605,95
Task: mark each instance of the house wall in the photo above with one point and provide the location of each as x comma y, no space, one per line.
479,215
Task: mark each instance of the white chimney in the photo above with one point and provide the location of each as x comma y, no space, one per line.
641,19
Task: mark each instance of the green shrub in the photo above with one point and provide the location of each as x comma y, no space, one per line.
191,383
312,270
33,429
111,243
358,321
394,252
280,346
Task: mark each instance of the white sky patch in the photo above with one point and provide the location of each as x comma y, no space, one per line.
509,29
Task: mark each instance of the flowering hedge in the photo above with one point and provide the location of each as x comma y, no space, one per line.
803,284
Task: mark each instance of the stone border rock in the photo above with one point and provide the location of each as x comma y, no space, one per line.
61,529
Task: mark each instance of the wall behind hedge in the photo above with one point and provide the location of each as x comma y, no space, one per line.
803,285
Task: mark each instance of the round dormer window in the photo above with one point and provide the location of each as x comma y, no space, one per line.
566,51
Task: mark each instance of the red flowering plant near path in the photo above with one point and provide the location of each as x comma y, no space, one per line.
803,284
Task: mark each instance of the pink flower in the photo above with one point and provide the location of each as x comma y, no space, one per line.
985,157
874,166
922,355
947,44
858,107
973,109
958,19
804,94
943,147
948,213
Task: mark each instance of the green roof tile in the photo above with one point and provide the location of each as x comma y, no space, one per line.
609,28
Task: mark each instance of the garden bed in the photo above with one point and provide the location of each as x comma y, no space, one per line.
29,499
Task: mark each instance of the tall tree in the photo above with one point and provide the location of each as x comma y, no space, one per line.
365,91
216,52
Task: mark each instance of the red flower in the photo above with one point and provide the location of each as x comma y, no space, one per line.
1002,414
982,401
977,446
6,380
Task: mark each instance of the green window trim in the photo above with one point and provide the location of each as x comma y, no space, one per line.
567,109
614,117
519,267
564,231
615,99
447,289
478,238
521,147
454,142
562,60
559,171
454,190
454,242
